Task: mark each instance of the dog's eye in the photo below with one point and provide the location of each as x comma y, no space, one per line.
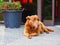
38,19
28,19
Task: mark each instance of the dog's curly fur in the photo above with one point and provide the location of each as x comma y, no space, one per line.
34,27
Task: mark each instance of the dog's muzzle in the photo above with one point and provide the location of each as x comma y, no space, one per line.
35,26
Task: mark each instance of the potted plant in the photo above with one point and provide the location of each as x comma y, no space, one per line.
12,12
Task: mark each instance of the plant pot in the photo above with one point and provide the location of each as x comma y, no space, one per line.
12,18
48,22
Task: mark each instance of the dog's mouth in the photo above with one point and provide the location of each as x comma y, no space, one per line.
34,27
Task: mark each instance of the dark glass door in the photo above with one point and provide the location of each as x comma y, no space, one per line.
46,10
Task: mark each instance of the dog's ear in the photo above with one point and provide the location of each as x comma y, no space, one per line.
28,17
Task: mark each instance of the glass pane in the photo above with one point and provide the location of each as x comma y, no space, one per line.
47,10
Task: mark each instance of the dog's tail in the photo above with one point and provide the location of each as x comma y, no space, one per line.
50,30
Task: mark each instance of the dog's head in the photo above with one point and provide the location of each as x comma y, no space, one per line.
33,21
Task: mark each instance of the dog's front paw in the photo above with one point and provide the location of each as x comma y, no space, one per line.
47,32
29,36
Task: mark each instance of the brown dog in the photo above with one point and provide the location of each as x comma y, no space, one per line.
34,27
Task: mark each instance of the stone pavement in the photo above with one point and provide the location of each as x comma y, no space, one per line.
15,36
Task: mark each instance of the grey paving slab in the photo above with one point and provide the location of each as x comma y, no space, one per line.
15,36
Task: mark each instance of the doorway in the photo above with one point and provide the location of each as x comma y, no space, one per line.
57,12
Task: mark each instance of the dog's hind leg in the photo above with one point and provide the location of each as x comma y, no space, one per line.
44,27
50,30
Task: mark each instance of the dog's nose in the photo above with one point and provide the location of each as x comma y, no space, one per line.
36,26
